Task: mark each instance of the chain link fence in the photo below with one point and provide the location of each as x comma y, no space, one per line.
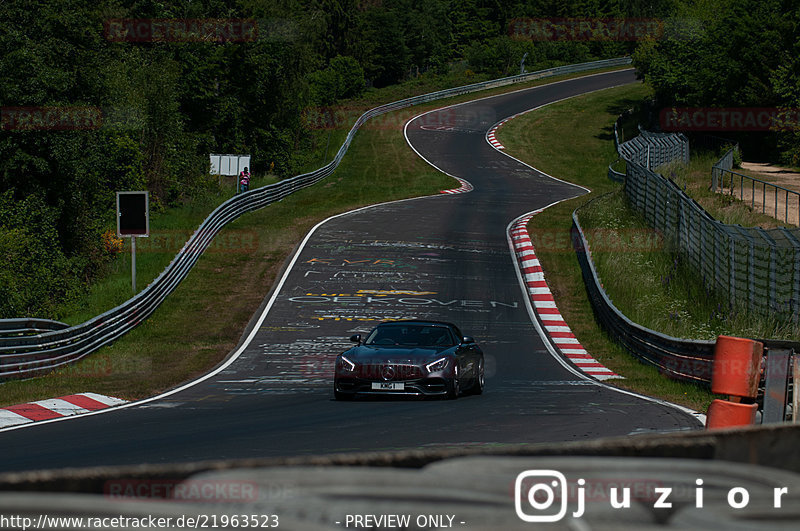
681,359
654,149
758,268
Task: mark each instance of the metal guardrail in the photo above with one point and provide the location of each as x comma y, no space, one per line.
703,239
689,360
26,326
614,175
683,359
28,355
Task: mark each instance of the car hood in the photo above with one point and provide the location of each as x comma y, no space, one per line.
396,354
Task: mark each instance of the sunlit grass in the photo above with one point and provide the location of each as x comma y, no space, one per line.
169,230
658,289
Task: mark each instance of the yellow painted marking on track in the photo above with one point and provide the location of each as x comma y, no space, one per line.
395,292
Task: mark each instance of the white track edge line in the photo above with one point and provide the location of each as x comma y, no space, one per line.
560,359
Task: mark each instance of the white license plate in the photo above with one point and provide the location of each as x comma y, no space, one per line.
388,386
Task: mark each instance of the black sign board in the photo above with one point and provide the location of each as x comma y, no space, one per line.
133,213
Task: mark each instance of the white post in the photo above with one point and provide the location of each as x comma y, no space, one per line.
133,263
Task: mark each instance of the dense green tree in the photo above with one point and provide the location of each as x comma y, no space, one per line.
728,53
343,78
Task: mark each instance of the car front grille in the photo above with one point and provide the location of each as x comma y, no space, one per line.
390,371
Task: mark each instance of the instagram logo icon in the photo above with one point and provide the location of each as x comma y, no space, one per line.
540,496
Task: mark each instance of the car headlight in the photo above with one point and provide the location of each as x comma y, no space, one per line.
346,364
437,365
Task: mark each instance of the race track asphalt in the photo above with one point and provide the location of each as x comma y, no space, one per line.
443,257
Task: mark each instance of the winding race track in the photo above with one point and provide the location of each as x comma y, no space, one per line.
445,257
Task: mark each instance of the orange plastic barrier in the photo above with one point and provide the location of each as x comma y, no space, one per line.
724,414
737,366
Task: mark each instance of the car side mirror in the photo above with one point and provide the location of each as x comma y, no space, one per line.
467,340
356,338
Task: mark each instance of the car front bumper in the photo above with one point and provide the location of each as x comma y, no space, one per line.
430,386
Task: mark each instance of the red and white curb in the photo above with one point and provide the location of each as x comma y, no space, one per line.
54,408
545,305
464,188
491,136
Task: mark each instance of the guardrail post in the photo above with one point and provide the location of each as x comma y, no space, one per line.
777,383
736,373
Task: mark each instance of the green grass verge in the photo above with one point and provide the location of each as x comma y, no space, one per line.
230,280
573,140
170,229
658,290
227,285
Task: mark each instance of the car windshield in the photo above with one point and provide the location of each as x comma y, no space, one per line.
411,335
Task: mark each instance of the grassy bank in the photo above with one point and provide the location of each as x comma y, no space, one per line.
230,280
169,230
658,290
573,140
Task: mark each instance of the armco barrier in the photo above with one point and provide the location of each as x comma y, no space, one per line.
27,355
16,327
689,360
682,359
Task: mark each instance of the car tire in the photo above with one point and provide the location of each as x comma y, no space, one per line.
455,385
479,381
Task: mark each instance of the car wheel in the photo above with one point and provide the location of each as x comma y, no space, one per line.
455,386
478,382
